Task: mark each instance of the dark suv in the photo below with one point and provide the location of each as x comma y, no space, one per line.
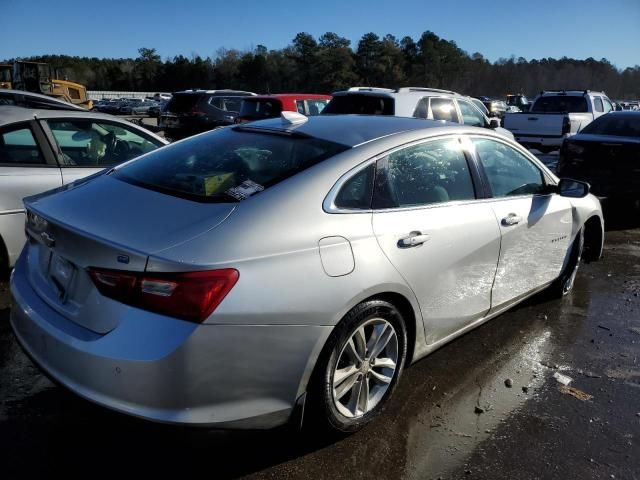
194,111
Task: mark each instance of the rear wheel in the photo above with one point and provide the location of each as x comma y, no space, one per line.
564,283
360,366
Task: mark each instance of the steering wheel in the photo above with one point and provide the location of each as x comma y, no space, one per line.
110,141
121,148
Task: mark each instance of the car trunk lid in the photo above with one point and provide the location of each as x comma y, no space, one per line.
121,226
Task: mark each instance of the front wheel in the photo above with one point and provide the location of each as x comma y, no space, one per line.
360,366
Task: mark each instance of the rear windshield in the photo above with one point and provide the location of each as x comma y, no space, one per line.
182,102
226,165
257,109
560,103
617,125
360,104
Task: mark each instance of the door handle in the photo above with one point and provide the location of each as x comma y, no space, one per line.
414,239
511,219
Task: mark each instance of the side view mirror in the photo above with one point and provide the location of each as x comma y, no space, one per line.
494,122
573,188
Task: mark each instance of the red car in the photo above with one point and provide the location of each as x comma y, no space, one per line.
271,106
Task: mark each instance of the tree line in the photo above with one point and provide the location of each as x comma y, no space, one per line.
330,63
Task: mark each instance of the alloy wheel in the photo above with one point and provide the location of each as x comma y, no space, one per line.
365,368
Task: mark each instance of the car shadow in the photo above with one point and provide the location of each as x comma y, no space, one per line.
64,430
45,422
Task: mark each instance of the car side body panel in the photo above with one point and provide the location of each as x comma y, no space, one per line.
249,363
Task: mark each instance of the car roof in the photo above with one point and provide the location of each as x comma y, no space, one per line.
349,130
11,114
406,98
404,91
45,98
302,96
199,91
570,93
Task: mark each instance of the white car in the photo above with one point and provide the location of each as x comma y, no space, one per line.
556,115
44,149
418,102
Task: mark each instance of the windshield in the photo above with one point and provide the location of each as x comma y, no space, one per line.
560,103
360,104
617,125
257,109
226,164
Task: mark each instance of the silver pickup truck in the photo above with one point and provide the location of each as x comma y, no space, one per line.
556,115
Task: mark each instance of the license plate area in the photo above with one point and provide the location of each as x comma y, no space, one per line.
61,274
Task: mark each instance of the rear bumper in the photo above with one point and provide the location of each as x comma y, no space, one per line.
224,376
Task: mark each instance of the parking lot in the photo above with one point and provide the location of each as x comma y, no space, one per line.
453,415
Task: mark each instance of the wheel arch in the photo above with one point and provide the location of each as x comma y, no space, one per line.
593,238
415,334
410,313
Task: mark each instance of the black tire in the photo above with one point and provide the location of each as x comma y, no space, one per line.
563,285
322,402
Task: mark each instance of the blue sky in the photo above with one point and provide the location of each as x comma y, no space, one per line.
495,28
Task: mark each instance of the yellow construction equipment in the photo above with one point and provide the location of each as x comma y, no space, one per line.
5,75
37,77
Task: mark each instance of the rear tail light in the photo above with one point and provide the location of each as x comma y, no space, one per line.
566,125
190,296
197,113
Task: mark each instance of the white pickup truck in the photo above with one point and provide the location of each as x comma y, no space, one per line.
555,115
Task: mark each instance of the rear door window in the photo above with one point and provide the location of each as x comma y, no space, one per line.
18,146
228,104
227,165
432,172
259,109
315,107
422,109
597,104
444,109
84,143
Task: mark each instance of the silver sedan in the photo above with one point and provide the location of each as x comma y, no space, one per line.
232,278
